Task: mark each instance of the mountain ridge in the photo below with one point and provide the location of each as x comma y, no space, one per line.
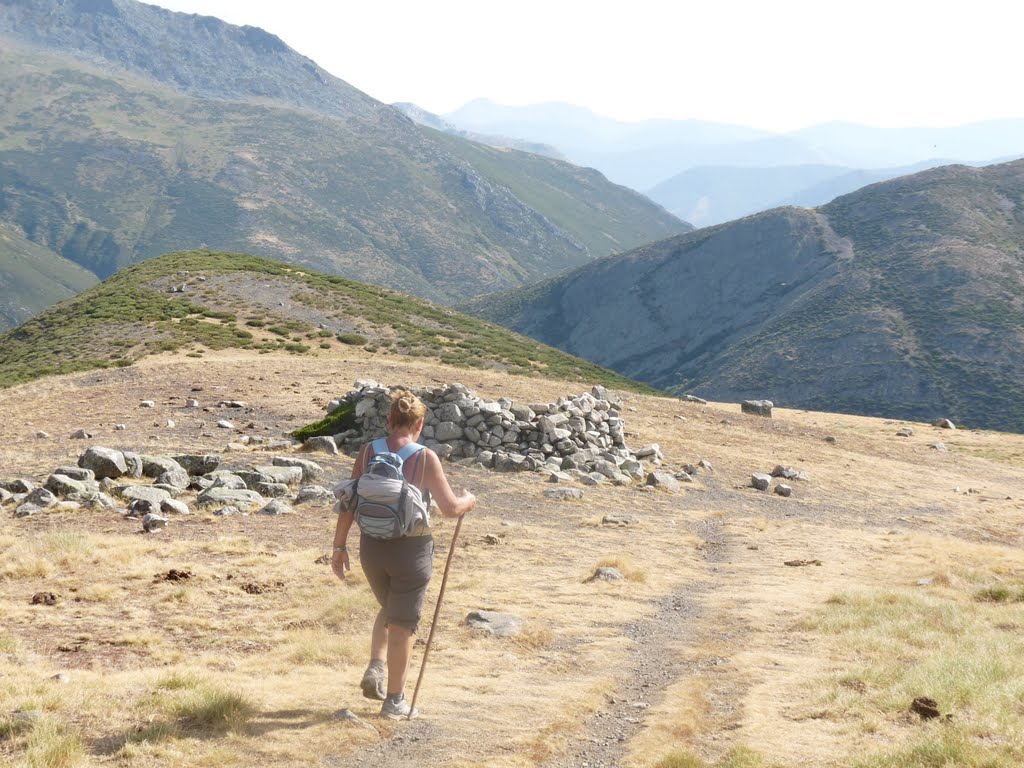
903,299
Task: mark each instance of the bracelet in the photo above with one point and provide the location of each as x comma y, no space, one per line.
341,549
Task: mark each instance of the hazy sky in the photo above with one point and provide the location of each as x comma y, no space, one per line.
775,64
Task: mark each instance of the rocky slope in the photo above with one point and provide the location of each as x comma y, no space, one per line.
903,299
130,131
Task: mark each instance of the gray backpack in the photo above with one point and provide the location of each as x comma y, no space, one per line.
386,505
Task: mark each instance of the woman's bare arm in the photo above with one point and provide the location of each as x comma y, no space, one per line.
451,505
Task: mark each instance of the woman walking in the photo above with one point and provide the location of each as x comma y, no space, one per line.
398,570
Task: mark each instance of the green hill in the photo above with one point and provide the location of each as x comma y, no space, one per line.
127,131
201,300
32,278
903,299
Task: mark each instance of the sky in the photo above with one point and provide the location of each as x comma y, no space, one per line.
776,65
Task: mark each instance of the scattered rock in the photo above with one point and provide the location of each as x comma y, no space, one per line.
605,573
225,512
61,677
801,563
176,575
324,444
195,464
42,435
831,439
153,522
760,481
491,539
141,508
225,424
276,507
558,477
175,478
684,476
905,432
103,462
170,424
757,407
788,473
81,434
272,490
563,494
693,399
315,494
191,403
231,496
620,519
17,486
944,424
174,507
311,471
44,598
142,492
784,490
663,480
493,623
940,447
147,404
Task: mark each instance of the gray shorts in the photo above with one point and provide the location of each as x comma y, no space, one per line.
398,572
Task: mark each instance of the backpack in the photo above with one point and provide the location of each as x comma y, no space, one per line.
386,505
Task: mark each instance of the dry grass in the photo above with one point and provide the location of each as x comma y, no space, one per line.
243,662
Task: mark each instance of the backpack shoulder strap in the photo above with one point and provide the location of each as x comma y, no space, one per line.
409,450
380,445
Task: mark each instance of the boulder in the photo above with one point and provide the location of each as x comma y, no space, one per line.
324,444
314,494
272,490
229,496
81,434
758,407
944,424
663,480
154,466
225,424
175,478
62,485
905,432
311,471
760,481
153,522
134,463
784,490
225,479
76,473
145,492
173,507
104,462
288,475
693,399
276,507
17,486
196,464
225,512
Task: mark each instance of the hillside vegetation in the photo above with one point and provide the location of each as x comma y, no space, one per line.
118,145
202,300
33,277
904,299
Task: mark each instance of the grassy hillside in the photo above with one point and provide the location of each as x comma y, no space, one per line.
200,300
904,299
108,169
32,278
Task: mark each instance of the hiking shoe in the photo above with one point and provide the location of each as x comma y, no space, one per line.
373,684
397,710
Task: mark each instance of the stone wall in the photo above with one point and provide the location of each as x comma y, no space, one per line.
585,432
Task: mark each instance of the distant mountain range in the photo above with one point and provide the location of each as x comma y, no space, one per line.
128,131
714,172
903,299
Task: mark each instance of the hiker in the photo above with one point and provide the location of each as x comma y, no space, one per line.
398,570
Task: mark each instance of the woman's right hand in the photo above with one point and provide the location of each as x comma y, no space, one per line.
340,564
465,502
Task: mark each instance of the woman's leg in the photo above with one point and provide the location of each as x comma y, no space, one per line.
400,643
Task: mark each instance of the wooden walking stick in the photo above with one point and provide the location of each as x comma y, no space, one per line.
437,611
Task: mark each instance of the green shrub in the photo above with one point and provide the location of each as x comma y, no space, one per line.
354,339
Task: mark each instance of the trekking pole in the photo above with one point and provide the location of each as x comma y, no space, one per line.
437,610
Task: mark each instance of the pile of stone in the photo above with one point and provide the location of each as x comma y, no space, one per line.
116,480
584,434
